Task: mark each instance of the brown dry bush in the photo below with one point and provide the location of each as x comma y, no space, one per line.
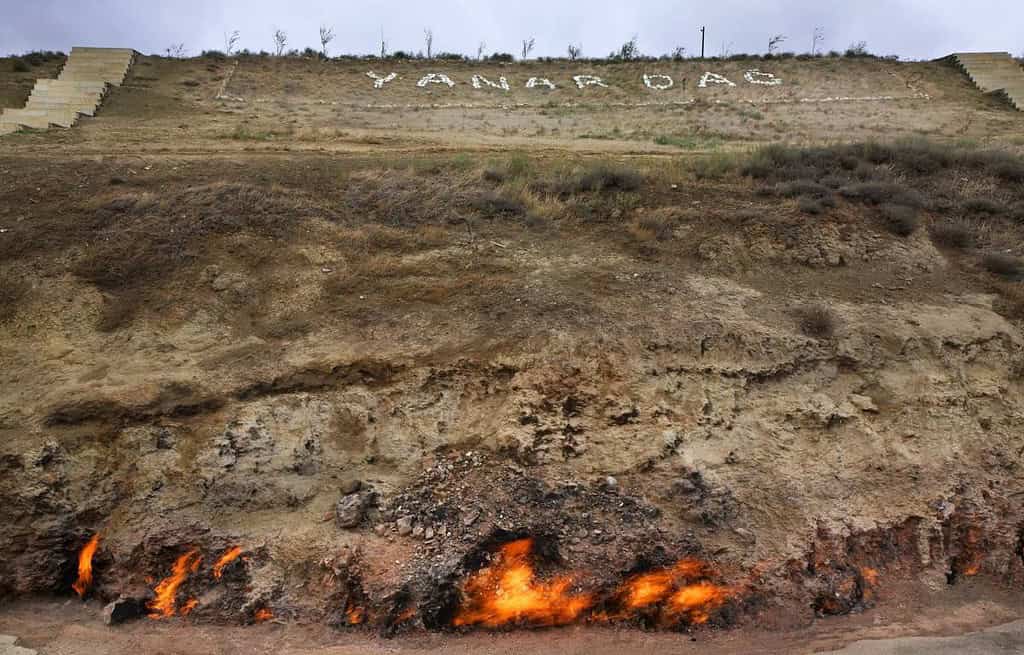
954,233
12,290
901,220
983,206
1003,265
652,227
599,178
817,320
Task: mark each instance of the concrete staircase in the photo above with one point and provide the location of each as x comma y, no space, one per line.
994,72
78,90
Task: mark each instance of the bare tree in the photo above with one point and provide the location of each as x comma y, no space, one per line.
176,51
679,53
575,51
326,36
774,42
230,41
528,47
383,44
818,40
428,38
629,50
280,41
480,50
726,50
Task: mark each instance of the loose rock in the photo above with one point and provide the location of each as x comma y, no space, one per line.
123,609
350,510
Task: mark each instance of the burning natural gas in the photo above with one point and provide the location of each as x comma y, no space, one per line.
508,591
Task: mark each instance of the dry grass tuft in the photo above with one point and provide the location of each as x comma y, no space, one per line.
954,233
1003,265
817,321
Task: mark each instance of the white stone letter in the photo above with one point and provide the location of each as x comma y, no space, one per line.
658,82
757,77
480,82
588,80
435,78
534,82
378,81
713,78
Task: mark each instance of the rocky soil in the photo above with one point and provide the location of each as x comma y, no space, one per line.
625,404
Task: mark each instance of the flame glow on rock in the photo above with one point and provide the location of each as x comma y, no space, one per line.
230,555
507,592
355,615
679,593
165,604
84,580
263,614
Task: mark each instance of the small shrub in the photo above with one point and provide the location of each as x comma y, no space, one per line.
1016,211
1003,264
20,66
491,203
651,227
811,206
802,188
1010,171
12,290
956,234
901,220
877,193
493,176
714,167
817,321
983,206
604,178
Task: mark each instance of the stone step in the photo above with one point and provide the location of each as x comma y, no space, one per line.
42,117
79,108
92,85
994,71
79,89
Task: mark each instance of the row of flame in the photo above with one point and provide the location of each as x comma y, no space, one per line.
504,593
164,603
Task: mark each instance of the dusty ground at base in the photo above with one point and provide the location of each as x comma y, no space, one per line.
360,341
978,612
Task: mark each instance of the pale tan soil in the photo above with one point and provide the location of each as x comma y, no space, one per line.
301,105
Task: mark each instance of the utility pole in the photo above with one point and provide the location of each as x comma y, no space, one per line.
702,29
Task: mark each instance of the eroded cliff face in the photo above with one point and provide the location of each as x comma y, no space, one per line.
793,464
374,407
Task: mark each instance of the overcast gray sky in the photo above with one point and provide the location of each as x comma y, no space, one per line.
916,29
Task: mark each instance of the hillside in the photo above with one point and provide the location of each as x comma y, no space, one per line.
382,352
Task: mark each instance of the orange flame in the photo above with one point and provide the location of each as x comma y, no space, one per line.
507,592
696,602
263,614
229,556
355,615
163,606
189,605
682,592
84,580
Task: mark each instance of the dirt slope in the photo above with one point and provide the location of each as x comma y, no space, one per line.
800,371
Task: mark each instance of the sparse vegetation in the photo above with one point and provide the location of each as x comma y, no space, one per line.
1003,264
809,205
901,220
985,206
817,320
957,234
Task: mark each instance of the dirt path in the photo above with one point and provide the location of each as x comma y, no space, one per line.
965,620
